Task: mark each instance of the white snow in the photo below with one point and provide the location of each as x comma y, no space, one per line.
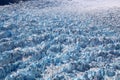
78,5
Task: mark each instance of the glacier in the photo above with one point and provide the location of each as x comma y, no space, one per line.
60,40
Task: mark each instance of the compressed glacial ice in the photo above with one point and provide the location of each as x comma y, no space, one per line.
60,40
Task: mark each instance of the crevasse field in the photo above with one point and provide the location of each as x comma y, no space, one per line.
60,40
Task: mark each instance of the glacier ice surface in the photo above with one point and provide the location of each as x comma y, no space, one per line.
46,40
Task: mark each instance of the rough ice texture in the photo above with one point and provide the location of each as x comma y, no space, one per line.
49,40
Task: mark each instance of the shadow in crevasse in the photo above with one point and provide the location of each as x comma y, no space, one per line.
7,2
